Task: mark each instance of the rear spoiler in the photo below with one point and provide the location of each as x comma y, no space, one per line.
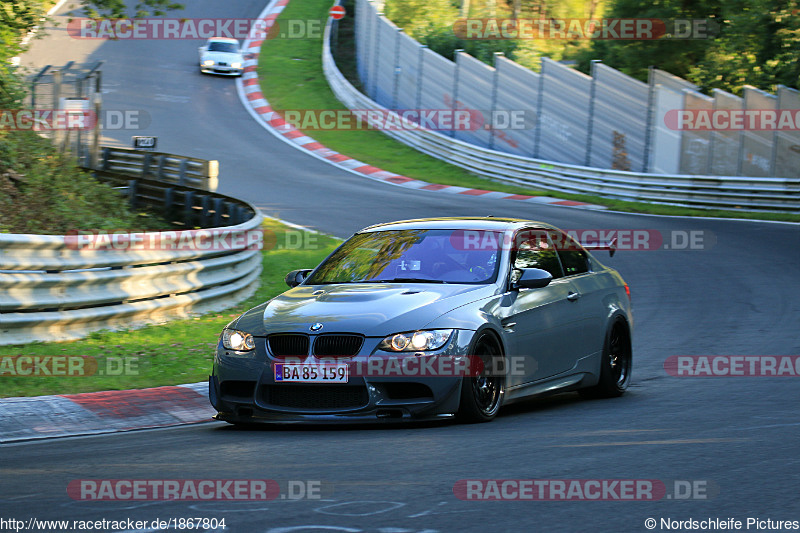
611,246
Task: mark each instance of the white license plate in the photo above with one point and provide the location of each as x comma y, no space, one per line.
310,373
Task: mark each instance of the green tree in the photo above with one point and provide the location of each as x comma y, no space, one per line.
633,57
432,22
17,18
420,17
759,45
444,42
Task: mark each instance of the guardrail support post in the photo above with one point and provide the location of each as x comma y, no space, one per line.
217,211
148,160
230,210
162,160
182,172
205,213
106,157
188,209
132,186
169,199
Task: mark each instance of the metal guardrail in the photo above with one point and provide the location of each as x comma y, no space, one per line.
167,168
54,288
699,191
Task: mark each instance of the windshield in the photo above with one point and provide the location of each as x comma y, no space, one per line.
413,256
219,46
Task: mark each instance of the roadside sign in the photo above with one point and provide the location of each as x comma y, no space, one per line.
144,143
337,12
75,105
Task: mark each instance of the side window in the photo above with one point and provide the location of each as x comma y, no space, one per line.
534,250
573,256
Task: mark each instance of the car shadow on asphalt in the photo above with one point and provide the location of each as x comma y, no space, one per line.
524,408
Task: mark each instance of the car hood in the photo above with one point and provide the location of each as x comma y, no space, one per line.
373,309
228,57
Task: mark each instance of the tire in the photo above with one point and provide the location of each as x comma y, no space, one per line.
615,366
482,395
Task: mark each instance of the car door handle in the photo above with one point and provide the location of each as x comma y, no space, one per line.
573,296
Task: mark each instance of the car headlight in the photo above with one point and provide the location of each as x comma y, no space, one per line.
416,341
240,341
208,63
236,65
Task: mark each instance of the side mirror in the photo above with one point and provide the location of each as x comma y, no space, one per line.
533,278
296,277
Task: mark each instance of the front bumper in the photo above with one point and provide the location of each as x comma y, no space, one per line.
243,389
223,70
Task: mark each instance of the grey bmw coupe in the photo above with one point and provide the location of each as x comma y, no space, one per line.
429,319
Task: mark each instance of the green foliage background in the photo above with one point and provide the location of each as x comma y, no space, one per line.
757,43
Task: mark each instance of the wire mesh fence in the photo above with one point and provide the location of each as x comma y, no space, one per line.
68,89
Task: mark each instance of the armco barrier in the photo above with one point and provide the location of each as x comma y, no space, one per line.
53,289
167,168
700,191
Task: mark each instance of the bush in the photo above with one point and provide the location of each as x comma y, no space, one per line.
43,191
444,42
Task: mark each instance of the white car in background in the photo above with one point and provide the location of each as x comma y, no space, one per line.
221,55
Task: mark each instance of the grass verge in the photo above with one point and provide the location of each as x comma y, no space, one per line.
291,77
169,354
